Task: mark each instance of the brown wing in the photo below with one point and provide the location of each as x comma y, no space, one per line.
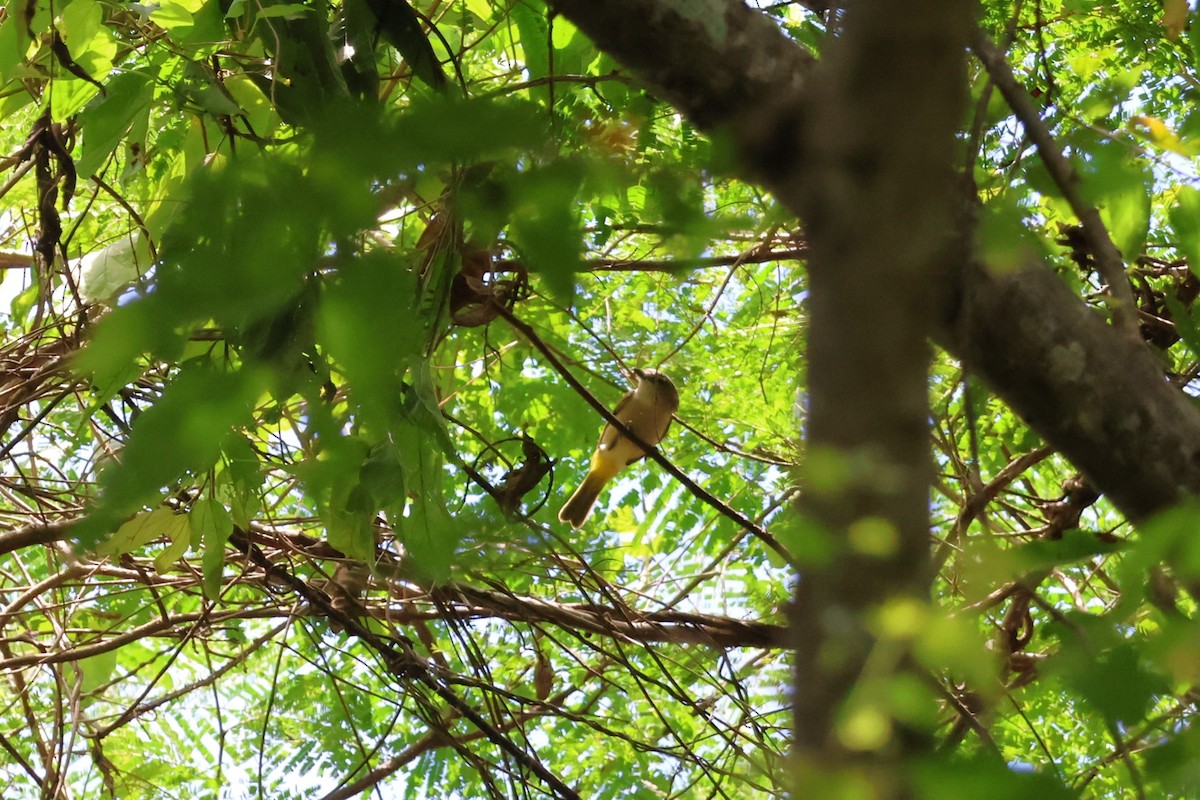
663,433
610,436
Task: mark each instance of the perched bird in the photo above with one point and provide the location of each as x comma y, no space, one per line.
646,411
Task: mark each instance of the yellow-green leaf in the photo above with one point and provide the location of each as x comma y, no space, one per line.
138,531
1174,17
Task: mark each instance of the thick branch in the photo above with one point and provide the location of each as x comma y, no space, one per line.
34,534
1108,258
725,66
1088,391
456,601
675,627
463,602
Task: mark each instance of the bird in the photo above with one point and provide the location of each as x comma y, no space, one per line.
647,412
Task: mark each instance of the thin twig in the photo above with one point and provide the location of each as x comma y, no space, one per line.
756,255
651,452
1108,259
404,663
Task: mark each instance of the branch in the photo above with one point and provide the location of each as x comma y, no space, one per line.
1094,394
15,261
674,265
1108,258
651,452
34,534
405,664
676,627
1091,392
157,627
461,601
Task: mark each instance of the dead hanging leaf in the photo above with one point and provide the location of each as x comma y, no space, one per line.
521,479
59,48
543,677
46,148
1072,236
345,588
1174,18
477,293
435,229
613,137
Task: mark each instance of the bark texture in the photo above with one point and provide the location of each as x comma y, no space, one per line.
876,195
860,149
1091,392
1097,397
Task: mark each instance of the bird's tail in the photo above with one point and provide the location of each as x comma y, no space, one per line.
579,507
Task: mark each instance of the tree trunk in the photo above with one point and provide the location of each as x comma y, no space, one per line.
878,201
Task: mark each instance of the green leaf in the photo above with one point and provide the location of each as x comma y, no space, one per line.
79,22
172,15
109,118
141,529
181,433
480,8
97,670
1074,546
402,28
382,475
121,337
430,537
1100,662
1102,96
180,538
1119,185
105,272
241,463
208,25
24,302
429,534
13,42
531,24
372,302
984,777
1185,322
244,506
284,10
1116,684
332,480
351,519
68,95
954,644
546,226
211,524
444,130
1175,763
1184,217
1005,241
1167,536
1192,33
